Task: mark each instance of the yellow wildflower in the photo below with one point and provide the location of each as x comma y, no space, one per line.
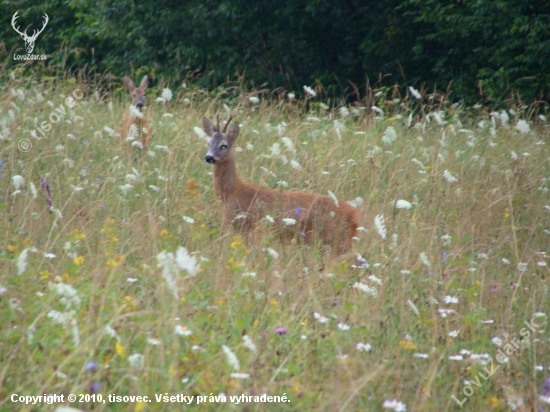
140,406
120,349
11,248
163,233
79,260
406,344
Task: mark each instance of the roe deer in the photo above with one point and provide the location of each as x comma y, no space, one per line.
317,217
141,131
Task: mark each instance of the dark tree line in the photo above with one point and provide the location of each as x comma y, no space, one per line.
488,49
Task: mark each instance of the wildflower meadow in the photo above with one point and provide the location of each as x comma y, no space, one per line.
119,285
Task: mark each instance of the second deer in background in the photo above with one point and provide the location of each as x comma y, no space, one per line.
135,125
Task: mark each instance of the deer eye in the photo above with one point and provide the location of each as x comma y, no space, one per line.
223,147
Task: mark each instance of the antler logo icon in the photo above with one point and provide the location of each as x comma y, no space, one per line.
29,40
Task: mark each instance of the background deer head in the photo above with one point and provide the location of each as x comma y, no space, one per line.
29,40
220,142
138,93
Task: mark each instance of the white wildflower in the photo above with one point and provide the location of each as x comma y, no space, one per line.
239,375
67,293
363,347
396,405
200,133
136,360
273,253
22,261
188,219
377,110
187,262
380,224
309,91
295,165
182,331
247,342
389,135
231,358
450,299
445,312
253,100
446,240
424,259
135,112
267,219
415,93
333,197
32,188
109,331
343,326
523,127
403,204
126,188
497,341
413,307
110,131
449,177
18,181
166,94
289,221
320,318
365,288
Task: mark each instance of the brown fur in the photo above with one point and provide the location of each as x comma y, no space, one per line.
138,98
317,216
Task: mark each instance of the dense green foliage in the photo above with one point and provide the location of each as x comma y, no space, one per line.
486,48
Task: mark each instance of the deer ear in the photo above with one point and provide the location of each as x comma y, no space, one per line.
129,83
208,127
144,83
233,133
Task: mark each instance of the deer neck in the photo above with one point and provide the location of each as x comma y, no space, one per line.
225,177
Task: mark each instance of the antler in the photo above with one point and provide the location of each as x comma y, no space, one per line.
231,117
218,121
36,33
13,21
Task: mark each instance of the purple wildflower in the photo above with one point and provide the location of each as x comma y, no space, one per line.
297,212
91,366
546,388
44,185
94,387
280,331
303,234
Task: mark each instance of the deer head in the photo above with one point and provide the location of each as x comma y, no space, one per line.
138,93
29,40
220,142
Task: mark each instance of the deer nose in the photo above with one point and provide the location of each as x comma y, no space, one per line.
209,159
139,105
